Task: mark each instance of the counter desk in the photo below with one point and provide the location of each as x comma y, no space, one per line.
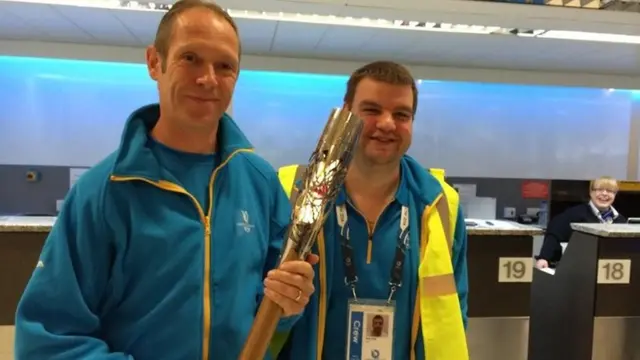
21,240
587,307
500,265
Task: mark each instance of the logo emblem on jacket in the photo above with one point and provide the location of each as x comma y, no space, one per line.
244,222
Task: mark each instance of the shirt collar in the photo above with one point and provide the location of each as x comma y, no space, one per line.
598,213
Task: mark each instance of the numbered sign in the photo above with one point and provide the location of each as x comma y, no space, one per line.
515,269
614,271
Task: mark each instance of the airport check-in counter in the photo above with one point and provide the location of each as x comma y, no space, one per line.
588,307
500,267
21,240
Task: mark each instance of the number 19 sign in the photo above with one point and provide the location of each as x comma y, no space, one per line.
515,269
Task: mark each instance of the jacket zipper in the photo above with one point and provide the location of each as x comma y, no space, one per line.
206,221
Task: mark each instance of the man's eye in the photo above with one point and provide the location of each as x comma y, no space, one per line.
225,66
403,116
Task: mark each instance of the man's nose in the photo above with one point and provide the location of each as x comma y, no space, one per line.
385,122
208,78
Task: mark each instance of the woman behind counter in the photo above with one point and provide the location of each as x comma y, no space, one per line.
598,210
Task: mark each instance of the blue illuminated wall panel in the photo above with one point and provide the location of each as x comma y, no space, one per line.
515,131
66,112
470,129
284,113
71,113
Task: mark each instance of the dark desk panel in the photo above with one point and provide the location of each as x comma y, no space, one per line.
500,267
487,296
619,299
575,313
19,253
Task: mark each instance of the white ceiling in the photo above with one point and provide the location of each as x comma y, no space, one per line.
487,13
59,23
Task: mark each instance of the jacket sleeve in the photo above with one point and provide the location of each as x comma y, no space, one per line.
558,231
58,317
280,218
460,264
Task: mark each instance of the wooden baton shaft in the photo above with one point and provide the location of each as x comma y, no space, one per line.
265,323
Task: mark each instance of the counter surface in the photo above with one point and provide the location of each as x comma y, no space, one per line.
26,223
474,226
501,228
609,230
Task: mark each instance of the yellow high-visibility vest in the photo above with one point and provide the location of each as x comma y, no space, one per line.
437,308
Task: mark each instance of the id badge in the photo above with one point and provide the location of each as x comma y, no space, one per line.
370,330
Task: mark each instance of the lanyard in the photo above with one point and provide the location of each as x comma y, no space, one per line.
351,277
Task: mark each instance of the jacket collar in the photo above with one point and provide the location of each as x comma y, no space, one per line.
401,196
414,181
135,158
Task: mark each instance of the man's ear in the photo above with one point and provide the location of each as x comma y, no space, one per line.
154,62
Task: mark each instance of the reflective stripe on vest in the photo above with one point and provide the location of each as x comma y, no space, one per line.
288,176
437,304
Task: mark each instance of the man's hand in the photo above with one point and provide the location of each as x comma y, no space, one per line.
291,285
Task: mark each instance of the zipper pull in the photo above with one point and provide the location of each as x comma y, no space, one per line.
207,226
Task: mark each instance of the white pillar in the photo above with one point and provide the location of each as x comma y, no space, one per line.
633,159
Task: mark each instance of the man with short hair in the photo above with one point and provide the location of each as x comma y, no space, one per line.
161,250
377,326
394,244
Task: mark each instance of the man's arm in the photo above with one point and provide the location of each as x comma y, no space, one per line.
460,264
558,231
58,317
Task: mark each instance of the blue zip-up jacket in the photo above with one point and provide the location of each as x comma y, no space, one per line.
136,268
417,189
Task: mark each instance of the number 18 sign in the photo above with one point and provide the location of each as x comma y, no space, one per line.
614,271
515,269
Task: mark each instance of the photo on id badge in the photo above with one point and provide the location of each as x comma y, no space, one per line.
370,331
